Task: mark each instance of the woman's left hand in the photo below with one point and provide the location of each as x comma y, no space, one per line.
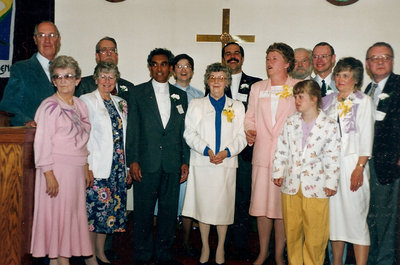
356,180
89,177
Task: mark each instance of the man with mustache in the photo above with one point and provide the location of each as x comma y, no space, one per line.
233,57
302,64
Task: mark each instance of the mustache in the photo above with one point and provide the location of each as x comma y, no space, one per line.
233,59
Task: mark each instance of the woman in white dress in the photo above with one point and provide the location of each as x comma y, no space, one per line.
349,207
214,131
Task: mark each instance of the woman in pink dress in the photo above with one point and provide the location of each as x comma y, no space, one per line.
60,226
271,102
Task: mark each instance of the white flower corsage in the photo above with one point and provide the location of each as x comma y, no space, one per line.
175,97
123,88
383,96
244,86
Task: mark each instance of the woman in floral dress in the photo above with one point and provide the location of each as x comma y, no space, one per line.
106,200
349,207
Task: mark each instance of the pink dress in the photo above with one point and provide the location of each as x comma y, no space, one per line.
60,225
265,196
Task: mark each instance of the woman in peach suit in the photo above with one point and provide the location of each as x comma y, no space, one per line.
271,102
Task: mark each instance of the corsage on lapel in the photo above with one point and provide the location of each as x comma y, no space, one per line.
287,92
123,107
229,113
383,96
345,106
123,88
175,98
244,87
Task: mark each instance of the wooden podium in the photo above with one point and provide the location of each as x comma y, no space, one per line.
17,182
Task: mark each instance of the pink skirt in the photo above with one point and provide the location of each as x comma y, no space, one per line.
265,195
60,225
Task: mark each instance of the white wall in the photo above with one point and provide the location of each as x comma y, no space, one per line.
141,25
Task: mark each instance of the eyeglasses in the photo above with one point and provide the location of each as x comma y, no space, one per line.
186,66
385,58
322,56
67,77
44,35
105,77
217,78
106,50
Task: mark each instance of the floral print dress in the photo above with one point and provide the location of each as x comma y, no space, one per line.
106,200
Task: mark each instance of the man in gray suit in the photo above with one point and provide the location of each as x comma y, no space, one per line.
323,62
158,158
106,51
30,81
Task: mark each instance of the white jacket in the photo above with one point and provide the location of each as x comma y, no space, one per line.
100,143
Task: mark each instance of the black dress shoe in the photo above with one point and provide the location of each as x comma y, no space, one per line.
100,262
111,255
203,263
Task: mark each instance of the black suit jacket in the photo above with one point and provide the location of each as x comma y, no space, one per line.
88,85
386,149
148,142
247,152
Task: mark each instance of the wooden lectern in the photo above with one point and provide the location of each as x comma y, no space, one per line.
17,182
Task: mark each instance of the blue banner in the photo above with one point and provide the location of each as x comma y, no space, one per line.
7,15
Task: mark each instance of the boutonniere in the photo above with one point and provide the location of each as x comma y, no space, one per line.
329,91
345,106
244,87
123,88
175,97
123,107
287,92
383,96
229,113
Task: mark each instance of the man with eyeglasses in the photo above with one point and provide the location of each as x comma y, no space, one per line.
106,51
302,64
324,57
384,164
233,57
30,81
158,157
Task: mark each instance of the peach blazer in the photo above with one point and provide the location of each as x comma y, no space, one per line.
258,118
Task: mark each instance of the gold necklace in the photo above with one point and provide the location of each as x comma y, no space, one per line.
63,100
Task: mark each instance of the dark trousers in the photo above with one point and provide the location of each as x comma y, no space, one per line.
382,218
238,232
164,187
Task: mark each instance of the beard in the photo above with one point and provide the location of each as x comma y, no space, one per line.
301,73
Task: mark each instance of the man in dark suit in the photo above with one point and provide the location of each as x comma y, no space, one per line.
158,158
30,81
106,51
324,58
384,165
233,57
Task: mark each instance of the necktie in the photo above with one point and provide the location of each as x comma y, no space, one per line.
372,91
323,89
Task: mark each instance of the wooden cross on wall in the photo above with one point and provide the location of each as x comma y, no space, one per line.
225,37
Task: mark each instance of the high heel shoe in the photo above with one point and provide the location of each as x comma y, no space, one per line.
100,262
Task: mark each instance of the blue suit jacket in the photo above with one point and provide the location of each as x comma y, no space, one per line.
27,87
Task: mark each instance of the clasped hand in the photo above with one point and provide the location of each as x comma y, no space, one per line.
218,158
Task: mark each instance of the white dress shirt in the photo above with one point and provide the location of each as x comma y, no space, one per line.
161,90
235,85
44,62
